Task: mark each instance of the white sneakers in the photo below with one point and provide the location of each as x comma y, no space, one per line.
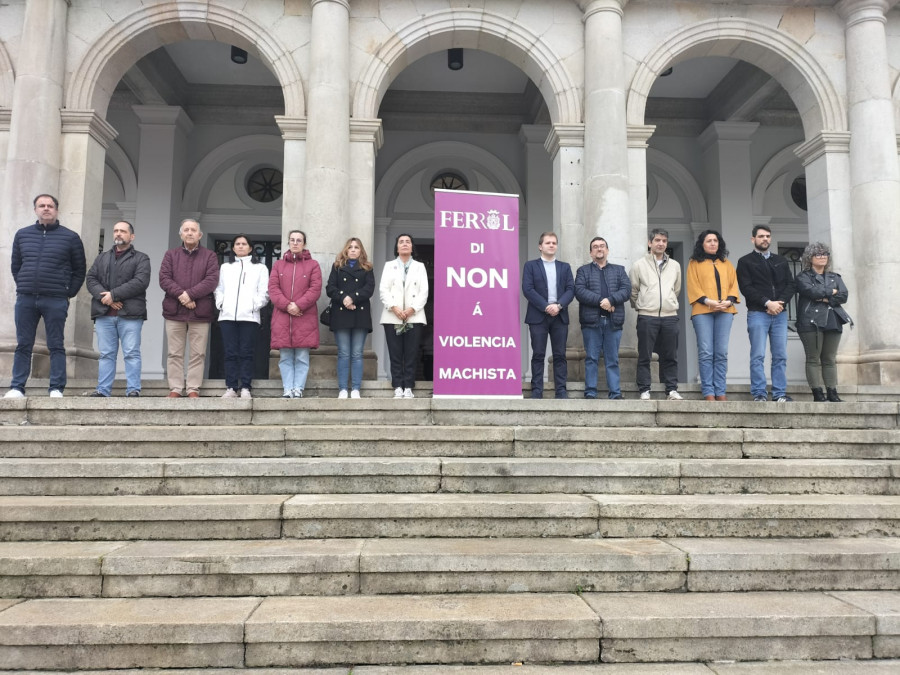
674,396
408,393
398,392
230,393
645,395
342,393
245,393
55,393
354,393
14,393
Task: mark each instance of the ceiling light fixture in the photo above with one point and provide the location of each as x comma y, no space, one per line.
238,55
455,58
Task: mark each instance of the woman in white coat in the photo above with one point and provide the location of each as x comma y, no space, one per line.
243,290
404,292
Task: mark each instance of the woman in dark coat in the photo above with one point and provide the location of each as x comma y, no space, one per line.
820,319
350,287
294,287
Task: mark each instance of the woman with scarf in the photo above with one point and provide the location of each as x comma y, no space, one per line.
712,293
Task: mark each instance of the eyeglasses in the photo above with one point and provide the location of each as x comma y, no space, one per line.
821,255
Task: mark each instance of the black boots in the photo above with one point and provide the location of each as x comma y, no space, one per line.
818,395
832,395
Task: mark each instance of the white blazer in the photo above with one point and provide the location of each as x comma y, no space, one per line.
243,290
394,293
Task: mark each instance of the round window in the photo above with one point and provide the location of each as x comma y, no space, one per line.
449,181
798,192
265,185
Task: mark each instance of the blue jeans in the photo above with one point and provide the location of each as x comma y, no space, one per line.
29,310
294,367
350,343
762,325
601,340
239,341
713,331
111,329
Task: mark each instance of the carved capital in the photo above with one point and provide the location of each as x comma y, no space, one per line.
858,11
591,7
564,136
88,122
292,128
639,134
367,131
826,141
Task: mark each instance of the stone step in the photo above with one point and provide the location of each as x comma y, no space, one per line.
435,629
296,631
141,517
446,412
748,515
146,476
386,566
317,440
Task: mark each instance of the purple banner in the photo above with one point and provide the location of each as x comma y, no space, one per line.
476,295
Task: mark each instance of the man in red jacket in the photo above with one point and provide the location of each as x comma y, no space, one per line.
188,275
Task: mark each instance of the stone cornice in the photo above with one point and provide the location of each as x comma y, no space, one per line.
827,141
533,133
858,11
639,134
564,136
591,7
367,131
88,122
164,115
292,128
727,131
343,3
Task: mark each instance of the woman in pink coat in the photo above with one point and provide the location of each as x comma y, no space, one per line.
294,287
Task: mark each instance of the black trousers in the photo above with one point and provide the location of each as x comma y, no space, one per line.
554,328
404,352
657,334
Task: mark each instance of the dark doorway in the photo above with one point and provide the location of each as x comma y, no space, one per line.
425,369
268,251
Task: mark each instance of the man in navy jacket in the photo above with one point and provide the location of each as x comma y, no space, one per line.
48,265
549,287
602,289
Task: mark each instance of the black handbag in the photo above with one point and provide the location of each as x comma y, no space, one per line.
325,316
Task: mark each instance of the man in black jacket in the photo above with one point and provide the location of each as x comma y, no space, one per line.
766,280
48,267
117,282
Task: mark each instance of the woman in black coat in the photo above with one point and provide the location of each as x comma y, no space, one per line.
350,287
820,319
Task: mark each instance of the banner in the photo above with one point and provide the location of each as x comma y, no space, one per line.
476,295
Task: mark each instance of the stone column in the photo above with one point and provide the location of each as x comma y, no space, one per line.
634,239
326,203
164,134
85,138
606,188
826,158
34,140
565,144
874,185
725,148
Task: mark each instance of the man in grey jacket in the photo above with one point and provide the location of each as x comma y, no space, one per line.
117,282
655,285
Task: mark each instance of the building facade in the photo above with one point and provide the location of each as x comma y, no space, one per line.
607,117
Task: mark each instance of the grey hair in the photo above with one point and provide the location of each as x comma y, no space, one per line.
188,220
810,251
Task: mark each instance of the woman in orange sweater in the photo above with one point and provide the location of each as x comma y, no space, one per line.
712,293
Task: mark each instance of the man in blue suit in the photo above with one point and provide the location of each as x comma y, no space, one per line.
549,287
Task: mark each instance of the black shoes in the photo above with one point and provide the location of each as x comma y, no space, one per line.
832,395
818,395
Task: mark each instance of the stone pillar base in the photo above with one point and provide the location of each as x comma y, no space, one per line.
80,363
884,371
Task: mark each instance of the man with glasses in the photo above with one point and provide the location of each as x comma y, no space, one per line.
767,283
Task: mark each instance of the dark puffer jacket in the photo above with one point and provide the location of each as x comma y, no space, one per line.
48,261
127,277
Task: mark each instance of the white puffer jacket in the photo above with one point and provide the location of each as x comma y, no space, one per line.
243,290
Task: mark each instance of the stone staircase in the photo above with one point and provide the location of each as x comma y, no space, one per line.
269,535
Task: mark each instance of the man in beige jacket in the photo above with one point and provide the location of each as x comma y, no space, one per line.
655,285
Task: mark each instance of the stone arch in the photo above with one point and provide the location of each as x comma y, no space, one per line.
471,29
209,168
7,79
139,33
774,52
121,165
775,167
683,180
418,158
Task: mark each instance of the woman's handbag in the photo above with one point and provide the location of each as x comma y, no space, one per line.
325,316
